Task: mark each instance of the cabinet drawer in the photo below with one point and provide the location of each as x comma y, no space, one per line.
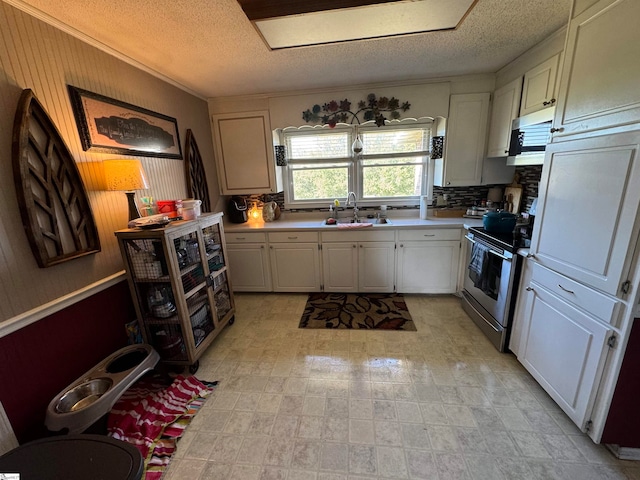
288,237
430,234
245,237
351,236
601,306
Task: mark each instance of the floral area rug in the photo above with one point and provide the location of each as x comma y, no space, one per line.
153,414
380,311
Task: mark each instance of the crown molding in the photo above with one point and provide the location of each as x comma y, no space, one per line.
46,18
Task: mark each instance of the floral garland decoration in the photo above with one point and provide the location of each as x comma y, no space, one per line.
335,112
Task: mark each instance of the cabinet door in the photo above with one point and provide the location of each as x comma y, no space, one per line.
428,267
340,267
506,104
465,141
599,81
560,335
376,266
587,207
249,265
539,86
244,153
520,314
295,267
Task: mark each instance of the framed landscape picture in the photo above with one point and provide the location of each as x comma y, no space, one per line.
111,126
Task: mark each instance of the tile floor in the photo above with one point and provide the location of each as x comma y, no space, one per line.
438,404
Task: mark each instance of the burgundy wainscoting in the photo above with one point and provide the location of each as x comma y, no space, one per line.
623,421
38,361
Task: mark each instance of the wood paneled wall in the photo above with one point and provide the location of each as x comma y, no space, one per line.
37,55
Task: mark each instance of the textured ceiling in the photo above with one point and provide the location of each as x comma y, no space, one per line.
211,48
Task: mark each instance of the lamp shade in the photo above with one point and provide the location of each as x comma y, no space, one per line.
124,175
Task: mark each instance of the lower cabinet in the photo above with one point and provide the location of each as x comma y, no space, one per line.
561,345
358,261
523,301
295,261
376,266
428,260
249,261
340,266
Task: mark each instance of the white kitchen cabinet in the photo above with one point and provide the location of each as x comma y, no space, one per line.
249,261
244,153
465,141
520,314
358,261
250,267
538,90
599,80
295,261
376,266
428,261
506,106
558,332
588,204
340,267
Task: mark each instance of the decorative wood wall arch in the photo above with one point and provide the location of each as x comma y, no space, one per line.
194,170
54,207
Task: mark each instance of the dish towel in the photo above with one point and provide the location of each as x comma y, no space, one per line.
354,225
478,264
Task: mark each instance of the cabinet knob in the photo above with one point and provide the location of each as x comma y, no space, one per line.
554,130
506,151
448,183
354,246
550,102
402,245
529,289
530,255
262,246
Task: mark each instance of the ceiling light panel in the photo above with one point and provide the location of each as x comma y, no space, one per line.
357,23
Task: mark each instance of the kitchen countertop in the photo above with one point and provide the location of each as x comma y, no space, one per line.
312,221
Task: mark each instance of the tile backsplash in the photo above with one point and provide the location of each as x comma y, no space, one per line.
458,196
468,196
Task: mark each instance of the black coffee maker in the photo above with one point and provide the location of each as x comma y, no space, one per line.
238,211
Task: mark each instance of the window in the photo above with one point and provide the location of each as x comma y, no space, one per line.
392,166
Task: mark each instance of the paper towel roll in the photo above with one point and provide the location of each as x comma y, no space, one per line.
423,207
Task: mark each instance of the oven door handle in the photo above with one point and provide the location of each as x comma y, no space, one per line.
490,250
499,255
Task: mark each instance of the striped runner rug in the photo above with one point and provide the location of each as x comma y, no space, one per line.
153,414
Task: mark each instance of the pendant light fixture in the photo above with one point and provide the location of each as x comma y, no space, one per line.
357,143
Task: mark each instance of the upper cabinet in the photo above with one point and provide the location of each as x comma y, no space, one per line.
465,141
464,163
538,90
599,81
506,105
244,153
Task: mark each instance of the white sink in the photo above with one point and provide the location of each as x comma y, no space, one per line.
350,220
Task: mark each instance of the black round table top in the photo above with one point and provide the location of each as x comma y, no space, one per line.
74,457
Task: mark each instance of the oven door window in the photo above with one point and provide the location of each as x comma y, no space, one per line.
488,279
488,282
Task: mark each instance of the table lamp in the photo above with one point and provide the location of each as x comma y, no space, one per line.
127,176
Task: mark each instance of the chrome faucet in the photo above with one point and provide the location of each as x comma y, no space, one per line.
352,195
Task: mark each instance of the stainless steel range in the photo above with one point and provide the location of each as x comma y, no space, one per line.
490,283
